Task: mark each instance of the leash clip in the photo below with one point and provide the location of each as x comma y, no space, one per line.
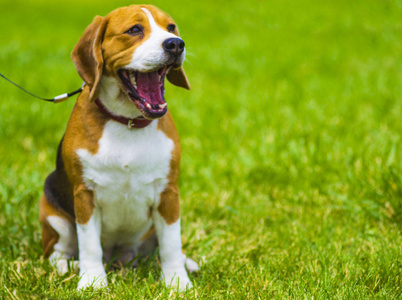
60,98
65,96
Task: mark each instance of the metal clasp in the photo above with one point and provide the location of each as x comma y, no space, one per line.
130,124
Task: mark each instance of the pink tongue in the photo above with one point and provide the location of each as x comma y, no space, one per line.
148,87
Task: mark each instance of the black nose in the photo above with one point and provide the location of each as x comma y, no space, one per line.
174,46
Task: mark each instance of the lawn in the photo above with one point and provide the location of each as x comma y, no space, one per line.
291,175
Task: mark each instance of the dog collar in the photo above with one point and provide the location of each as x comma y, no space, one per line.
131,123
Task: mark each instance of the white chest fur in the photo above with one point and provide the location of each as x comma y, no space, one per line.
127,175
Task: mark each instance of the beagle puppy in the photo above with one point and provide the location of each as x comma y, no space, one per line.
114,192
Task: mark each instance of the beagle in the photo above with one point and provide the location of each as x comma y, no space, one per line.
114,191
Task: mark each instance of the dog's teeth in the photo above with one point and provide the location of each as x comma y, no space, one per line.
162,106
132,79
148,105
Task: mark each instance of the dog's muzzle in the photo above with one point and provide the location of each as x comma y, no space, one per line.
173,46
146,89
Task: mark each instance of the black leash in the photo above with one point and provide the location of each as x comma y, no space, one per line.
56,99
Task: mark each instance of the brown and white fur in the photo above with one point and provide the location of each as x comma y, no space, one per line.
114,190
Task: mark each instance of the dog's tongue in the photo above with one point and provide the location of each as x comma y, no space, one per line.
148,87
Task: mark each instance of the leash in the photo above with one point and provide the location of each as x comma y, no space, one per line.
56,99
131,123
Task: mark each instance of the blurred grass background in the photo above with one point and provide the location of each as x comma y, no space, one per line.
291,179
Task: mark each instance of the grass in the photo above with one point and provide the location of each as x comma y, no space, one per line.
291,179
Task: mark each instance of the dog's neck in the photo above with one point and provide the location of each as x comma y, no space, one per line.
115,100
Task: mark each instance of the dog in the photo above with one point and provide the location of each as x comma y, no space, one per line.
114,191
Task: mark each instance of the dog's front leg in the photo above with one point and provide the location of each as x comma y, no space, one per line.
167,226
88,217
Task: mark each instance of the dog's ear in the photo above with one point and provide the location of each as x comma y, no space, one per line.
178,77
87,55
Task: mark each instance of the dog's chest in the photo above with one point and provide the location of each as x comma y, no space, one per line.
127,174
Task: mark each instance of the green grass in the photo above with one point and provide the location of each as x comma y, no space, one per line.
291,178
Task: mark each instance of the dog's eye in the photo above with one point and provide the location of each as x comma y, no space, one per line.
135,30
171,27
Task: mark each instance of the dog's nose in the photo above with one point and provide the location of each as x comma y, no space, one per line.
174,46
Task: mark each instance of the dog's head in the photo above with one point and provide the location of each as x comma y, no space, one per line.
138,46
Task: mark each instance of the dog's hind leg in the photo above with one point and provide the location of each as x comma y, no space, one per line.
59,237
191,265
66,246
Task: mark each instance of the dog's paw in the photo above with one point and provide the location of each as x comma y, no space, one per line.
61,263
93,277
176,278
191,265
62,266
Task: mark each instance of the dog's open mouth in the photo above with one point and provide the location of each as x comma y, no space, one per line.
146,91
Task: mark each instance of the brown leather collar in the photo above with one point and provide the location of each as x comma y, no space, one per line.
131,123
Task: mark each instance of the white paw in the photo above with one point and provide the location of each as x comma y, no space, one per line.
62,266
93,277
61,263
191,265
176,278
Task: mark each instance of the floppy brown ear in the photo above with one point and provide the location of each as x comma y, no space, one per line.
178,77
87,55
